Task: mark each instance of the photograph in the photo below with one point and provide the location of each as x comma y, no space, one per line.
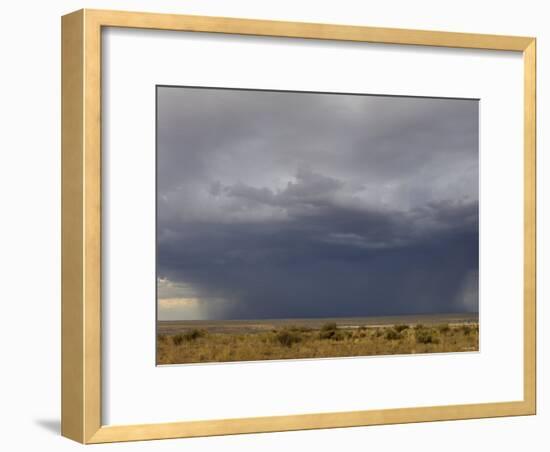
321,225
314,225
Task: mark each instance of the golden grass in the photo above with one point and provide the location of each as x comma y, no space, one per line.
199,346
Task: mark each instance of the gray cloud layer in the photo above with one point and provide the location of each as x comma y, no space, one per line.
275,204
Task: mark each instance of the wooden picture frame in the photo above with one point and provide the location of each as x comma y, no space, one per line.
81,231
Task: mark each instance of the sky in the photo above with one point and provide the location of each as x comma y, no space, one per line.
278,204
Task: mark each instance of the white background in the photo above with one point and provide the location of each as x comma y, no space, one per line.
30,191
134,61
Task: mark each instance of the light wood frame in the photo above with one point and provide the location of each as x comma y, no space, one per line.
81,232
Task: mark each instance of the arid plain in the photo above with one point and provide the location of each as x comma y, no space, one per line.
182,342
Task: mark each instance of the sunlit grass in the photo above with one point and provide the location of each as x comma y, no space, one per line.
292,342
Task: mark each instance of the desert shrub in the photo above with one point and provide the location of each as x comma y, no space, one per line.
335,335
340,335
329,326
346,334
466,329
423,337
426,336
161,338
378,332
193,334
392,334
400,328
327,334
328,331
286,337
188,336
444,328
178,339
419,326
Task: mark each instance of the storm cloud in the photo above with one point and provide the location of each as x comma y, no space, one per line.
290,205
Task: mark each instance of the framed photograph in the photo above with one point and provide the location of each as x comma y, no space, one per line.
274,226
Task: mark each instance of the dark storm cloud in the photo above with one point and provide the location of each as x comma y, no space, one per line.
303,205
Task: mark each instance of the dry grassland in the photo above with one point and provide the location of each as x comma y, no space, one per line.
292,342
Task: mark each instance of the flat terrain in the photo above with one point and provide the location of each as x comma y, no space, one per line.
180,342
